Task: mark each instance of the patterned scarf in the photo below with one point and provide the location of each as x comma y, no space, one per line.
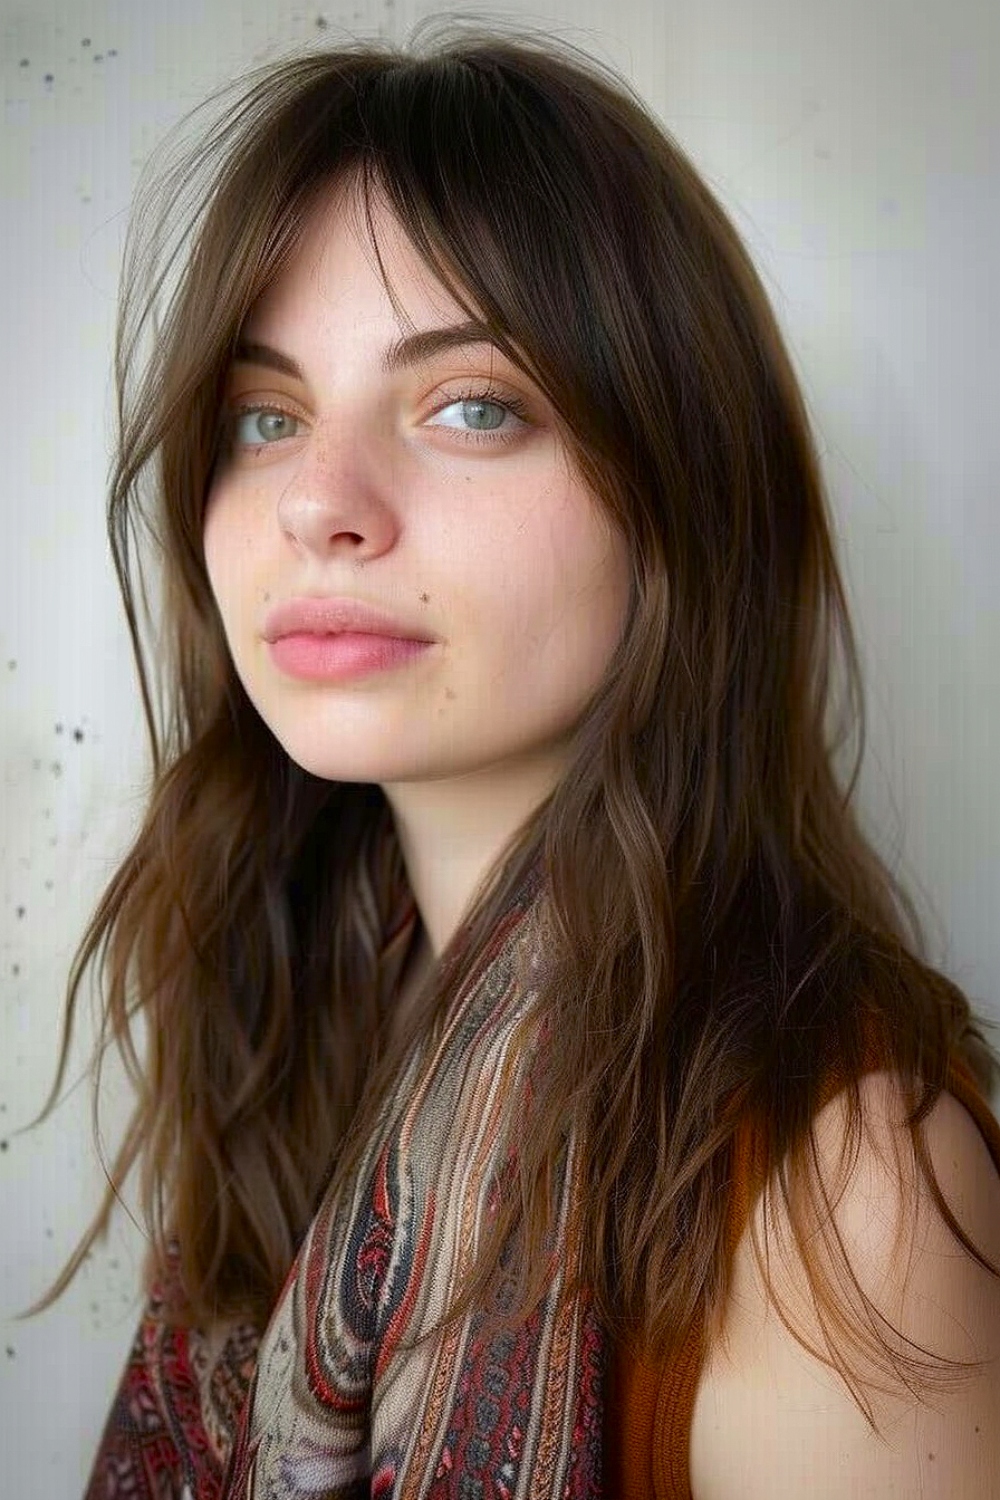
359,1388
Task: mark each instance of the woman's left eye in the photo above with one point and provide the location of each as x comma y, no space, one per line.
484,416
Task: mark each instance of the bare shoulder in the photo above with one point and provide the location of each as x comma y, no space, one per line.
771,1418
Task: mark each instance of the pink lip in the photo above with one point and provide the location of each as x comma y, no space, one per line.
332,615
347,654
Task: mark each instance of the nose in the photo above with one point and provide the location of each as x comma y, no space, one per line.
339,497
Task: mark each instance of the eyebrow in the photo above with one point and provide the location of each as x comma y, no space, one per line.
412,349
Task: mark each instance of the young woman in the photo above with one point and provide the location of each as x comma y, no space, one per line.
542,1092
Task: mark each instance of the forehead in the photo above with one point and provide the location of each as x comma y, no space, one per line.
341,264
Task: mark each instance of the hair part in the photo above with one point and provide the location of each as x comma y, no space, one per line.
723,936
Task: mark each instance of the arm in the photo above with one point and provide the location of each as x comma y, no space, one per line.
770,1419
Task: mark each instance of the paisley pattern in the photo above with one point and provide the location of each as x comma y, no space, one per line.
171,1427
359,1385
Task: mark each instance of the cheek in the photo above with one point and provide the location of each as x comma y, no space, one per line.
226,546
566,604
212,533
590,567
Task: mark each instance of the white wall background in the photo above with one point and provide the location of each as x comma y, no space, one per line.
855,144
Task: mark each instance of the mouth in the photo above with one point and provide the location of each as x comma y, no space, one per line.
325,615
338,655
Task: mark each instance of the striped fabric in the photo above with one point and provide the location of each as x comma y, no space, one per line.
359,1388
355,1388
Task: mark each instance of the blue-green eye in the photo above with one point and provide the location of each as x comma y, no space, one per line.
480,416
258,426
484,415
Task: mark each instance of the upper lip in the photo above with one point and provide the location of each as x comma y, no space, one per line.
329,615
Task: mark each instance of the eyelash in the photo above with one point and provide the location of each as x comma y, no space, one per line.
486,438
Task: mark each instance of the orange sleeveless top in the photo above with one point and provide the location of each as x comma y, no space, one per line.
648,1410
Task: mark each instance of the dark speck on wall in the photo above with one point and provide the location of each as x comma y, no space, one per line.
15,970
59,729
78,735
25,62
85,42
20,911
4,1145
50,78
12,663
321,23
10,1351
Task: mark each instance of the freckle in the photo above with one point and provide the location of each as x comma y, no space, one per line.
424,598
449,693
930,1455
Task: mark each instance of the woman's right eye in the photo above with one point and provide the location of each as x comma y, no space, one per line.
259,426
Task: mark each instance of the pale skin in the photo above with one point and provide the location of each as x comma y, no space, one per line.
771,1421
379,488
377,484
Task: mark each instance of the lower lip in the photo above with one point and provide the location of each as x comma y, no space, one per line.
339,656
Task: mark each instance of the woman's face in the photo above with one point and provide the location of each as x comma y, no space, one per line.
384,481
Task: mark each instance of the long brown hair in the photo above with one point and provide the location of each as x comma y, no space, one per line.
723,934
